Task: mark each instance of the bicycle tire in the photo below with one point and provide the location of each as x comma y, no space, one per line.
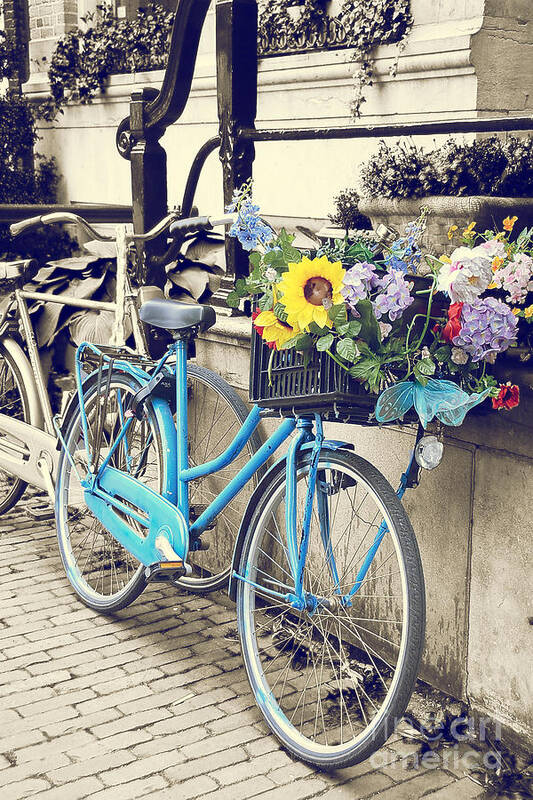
96,571
211,568
346,684
12,383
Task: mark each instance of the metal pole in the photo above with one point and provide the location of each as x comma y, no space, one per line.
236,46
148,187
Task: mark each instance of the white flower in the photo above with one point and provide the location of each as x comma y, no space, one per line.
271,274
425,353
467,276
459,356
385,329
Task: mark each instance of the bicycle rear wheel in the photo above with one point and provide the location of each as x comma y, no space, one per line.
332,682
104,575
215,415
14,402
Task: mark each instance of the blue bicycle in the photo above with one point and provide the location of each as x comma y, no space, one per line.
326,571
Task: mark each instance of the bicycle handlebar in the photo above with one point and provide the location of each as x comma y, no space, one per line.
56,217
175,225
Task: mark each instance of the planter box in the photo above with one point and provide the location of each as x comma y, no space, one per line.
445,210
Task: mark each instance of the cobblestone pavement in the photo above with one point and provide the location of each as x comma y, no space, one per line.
152,703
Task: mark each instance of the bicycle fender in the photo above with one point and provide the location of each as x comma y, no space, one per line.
330,444
23,363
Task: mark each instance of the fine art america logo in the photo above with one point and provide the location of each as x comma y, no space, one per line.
450,747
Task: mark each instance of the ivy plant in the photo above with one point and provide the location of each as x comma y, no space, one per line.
20,184
366,24
85,57
369,23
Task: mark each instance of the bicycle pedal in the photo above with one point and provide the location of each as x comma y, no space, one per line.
166,571
39,509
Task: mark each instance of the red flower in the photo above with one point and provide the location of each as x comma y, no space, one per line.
508,398
453,326
255,314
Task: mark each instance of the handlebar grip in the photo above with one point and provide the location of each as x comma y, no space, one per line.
25,224
190,225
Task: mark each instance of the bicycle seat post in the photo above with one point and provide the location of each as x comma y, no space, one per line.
182,462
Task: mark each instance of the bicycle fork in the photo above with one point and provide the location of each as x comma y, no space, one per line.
297,548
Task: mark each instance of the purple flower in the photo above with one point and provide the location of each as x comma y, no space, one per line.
357,282
488,327
395,296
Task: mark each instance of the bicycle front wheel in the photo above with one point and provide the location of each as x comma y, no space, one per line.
332,681
104,575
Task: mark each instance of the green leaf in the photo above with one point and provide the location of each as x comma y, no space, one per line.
233,300
338,314
324,343
280,312
274,258
422,379
364,368
443,353
265,302
369,325
524,234
304,342
354,327
285,239
289,344
241,288
369,371
317,330
426,366
347,349
255,260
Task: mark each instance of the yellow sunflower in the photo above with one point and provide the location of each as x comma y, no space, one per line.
309,288
273,330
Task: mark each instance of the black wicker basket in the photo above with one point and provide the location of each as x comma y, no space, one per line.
320,387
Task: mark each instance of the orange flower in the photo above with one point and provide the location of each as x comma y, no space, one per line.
496,263
451,231
509,222
469,231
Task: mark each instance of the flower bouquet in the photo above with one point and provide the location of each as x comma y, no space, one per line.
356,326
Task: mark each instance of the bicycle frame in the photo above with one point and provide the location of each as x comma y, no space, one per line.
168,515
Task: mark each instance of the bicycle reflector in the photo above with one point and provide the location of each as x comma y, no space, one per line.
428,452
